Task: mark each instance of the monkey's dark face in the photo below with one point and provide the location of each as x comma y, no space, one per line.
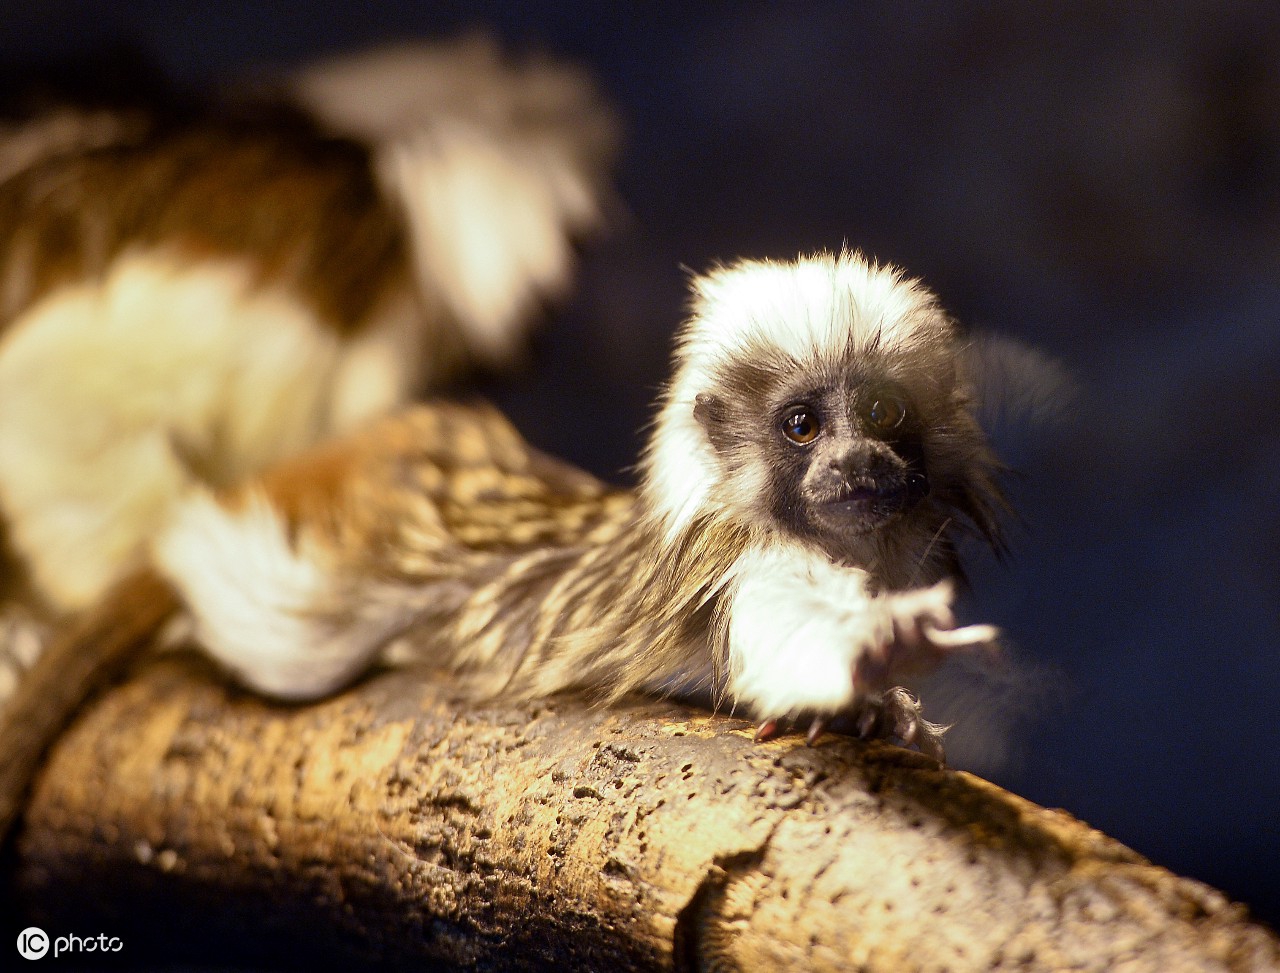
846,462
841,458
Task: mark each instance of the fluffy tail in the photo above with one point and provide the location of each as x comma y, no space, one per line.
89,655
497,165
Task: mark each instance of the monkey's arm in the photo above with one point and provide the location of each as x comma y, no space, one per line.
808,639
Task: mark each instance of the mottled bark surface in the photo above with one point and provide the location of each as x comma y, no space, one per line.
396,825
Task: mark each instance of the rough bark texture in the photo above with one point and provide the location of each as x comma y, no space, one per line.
396,825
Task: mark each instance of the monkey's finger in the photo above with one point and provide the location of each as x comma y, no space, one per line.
766,731
902,712
955,638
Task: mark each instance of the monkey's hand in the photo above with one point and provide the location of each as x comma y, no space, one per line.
917,632
808,641
924,632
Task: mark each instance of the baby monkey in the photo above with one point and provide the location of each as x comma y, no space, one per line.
789,550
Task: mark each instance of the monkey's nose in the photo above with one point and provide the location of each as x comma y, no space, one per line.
844,470
854,462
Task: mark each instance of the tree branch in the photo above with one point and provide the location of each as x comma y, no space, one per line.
398,824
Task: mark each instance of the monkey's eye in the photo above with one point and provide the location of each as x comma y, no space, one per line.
884,413
801,425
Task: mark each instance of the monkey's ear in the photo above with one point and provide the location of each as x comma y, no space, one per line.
708,410
713,415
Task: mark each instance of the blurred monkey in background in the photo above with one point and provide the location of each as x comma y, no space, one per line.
192,290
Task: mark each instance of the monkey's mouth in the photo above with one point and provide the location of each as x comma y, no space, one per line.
869,506
865,506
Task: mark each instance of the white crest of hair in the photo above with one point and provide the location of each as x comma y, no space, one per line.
810,310
267,609
496,165
118,393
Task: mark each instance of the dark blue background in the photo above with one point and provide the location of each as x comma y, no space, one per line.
1103,181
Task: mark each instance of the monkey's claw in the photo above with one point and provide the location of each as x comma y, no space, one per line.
816,729
771,728
892,715
766,731
896,714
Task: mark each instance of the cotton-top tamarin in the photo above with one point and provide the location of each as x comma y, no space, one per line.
788,552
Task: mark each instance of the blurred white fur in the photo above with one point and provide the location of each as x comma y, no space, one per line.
116,396
255,595
498,165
